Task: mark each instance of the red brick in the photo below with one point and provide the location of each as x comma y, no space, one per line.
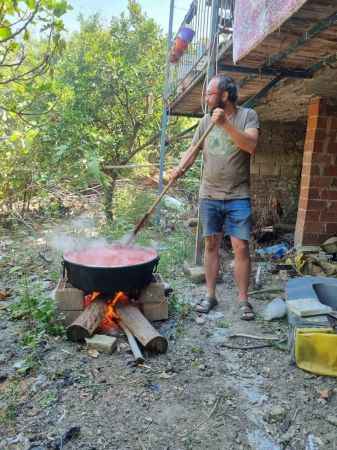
332,195
313,193
321,122
313,238
317,106
330,170
312,216
309,145
328,217
307,157
321,158
305,181
333,123
331,228
331,148
315,204
303,203
320,181
312,122
313,227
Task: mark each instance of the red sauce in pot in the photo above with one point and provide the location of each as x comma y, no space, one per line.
113,256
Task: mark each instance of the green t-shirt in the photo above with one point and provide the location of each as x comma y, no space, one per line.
226,171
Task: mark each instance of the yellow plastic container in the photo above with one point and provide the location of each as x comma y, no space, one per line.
316,350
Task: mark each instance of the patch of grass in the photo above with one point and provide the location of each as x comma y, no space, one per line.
9,398
223,323
197,350
47,399
38,310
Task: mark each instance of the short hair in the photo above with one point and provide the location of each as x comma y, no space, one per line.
227,84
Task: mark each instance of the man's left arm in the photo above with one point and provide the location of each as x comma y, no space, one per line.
246,140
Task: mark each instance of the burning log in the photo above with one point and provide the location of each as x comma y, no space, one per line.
141,328
87,322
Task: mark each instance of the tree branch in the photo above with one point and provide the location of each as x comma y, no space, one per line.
24,26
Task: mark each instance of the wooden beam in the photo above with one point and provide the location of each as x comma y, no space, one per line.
312,32
251,102
265,71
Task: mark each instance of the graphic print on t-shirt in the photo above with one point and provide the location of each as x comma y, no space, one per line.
219,143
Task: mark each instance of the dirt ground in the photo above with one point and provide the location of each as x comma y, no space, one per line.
200,395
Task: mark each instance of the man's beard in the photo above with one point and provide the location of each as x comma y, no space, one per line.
221,104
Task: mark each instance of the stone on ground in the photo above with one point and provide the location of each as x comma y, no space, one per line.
102,343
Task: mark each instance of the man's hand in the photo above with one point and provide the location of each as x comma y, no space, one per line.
218,117
177,173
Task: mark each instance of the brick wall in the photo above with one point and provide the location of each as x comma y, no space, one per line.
317,213
276,171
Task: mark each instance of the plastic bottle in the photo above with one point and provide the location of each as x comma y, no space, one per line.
276,309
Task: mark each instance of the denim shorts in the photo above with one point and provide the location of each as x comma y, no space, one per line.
231,217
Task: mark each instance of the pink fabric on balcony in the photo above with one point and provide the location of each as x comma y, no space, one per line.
255,19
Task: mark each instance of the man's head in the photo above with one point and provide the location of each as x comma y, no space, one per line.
221,89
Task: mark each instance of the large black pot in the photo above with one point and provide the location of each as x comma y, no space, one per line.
109,280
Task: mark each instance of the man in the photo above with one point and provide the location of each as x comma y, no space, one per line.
224,191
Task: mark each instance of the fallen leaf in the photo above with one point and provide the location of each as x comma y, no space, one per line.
93,353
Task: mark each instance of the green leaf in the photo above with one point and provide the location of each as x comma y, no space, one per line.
5,32
26,35
15,136
31,3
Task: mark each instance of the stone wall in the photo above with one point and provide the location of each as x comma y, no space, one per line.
276,172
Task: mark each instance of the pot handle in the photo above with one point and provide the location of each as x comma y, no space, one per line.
155,268
63,270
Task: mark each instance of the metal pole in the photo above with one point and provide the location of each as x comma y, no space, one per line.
211,71
165,116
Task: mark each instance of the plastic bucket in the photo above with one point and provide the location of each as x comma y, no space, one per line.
186,34
180,45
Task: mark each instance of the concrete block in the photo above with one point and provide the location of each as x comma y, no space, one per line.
102,343
67,297
196,273
156,311
153,293
153,300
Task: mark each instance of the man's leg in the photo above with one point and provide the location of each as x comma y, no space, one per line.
241,267
238,227
212,262
212,218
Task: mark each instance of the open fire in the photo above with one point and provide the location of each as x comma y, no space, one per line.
129,311
111,316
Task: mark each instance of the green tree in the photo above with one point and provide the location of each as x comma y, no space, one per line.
106,82
30,43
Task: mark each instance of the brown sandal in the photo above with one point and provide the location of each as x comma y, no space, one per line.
205,305
247,312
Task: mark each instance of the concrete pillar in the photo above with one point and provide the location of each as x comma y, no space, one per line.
317,209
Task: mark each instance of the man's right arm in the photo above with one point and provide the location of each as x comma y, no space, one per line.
186,162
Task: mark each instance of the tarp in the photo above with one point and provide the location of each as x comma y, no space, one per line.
255,19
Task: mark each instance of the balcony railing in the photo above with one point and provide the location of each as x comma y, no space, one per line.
209,37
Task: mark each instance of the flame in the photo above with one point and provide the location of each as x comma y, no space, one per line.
111,318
